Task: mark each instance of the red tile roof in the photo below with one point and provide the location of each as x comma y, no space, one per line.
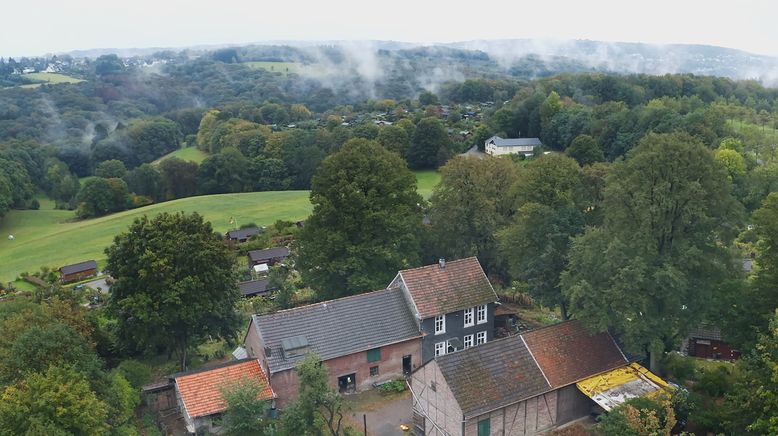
459,285
567,352
201,390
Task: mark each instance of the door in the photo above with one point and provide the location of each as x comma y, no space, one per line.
347,383
407,368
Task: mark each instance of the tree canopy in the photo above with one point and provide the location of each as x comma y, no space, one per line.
174,284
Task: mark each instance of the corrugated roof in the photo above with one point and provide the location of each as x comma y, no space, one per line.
459,285
514,142
270,253
201,390
492,375
79,267
338,327
567,352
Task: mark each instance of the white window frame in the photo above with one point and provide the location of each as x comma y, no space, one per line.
469,341
448,345
440,320
469,314
440,349
480,338
481,314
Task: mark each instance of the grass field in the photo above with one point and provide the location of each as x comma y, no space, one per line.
192,154
54,238
278,67
52,78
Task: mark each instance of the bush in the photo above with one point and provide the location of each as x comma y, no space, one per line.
680,367
137,373
715,382
394,386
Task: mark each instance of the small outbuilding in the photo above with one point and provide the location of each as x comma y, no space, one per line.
243,235
270,256
199,393
497,146
78,271
255,288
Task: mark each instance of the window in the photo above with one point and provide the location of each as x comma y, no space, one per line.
440,324
484,427
481,314
373,371
468,341
374,355
480,338
469,317
452,345
440,349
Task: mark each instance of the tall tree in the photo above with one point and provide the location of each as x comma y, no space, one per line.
174,287
365,222
472,201
428,139
551,209
246,414
652,270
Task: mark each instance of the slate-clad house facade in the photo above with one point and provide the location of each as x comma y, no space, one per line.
362,339
519,385
453,304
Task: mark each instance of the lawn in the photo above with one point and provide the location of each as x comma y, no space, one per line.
425,181
192,154
54,238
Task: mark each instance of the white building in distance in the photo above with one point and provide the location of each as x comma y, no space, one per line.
497,146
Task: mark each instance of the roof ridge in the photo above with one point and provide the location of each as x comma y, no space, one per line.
448,262
219,366
536,361
347,297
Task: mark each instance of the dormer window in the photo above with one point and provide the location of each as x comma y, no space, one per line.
440,324
470,317
481,315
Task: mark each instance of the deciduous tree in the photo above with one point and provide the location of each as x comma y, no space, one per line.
174,285
365,222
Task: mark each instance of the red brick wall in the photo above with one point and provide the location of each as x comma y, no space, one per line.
286,385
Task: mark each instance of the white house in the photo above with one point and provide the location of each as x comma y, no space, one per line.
497,146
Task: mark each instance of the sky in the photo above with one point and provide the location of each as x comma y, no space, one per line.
52,26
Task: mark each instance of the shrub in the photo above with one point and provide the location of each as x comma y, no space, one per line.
681,368
137,373
394,386
715,382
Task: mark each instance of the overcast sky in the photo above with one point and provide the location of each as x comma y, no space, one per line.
50,26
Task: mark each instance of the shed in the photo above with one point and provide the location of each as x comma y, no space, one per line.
78,271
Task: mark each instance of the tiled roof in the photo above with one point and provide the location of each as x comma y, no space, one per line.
270,253
79,267
705,331
254,287
201,390
567,352
492,375
459,285
338,327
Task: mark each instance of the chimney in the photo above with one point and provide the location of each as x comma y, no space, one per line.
442,263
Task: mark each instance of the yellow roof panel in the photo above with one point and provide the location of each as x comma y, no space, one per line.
614,387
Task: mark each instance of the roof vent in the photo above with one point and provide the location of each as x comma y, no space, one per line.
442,263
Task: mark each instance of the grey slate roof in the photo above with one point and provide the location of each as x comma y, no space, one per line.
705,331
254,287
270,253
338,327
492,375
513,142
78,267
243,233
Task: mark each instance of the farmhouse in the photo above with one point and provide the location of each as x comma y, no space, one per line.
270,256
199,393
525,384
453,305
78,271
497,146
242,235
362,339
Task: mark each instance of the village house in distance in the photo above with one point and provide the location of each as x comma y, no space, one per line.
497,146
